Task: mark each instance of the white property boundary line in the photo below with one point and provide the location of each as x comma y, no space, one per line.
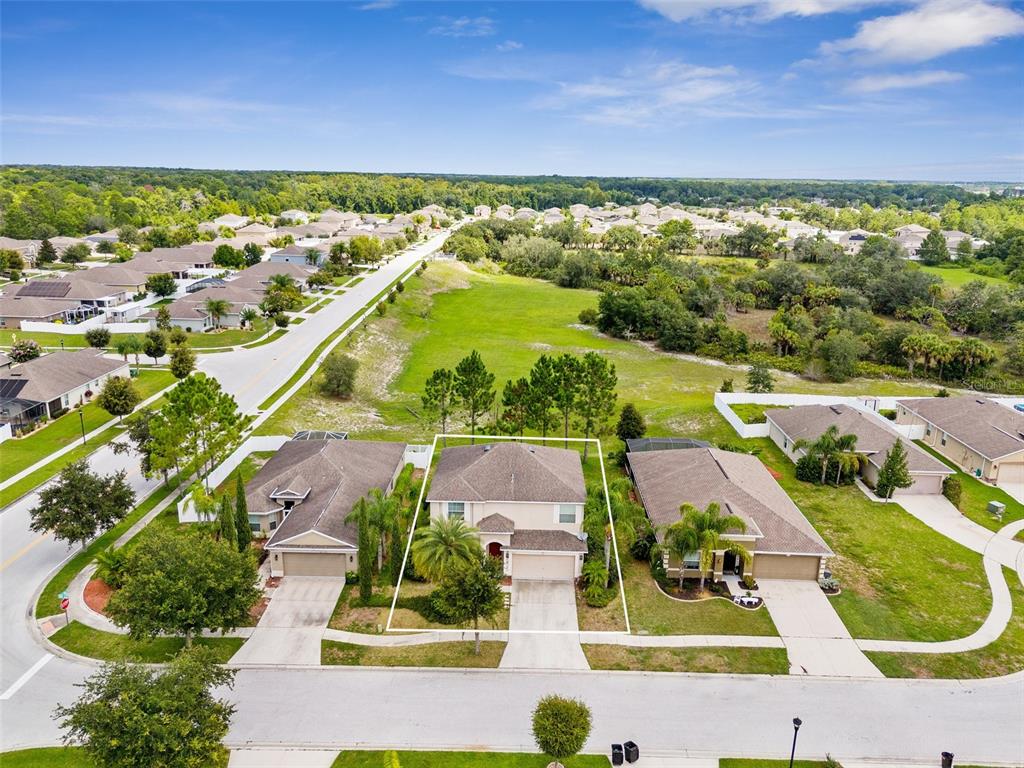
419,507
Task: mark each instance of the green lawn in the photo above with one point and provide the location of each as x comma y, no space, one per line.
367,759
751,413
900,579
1002,657
746,762
47,757
652,612
107,646
976,495
957,277
48,601
228,337
737,661
451,654
435,322
22,452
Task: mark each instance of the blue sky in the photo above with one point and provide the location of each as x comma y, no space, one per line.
921,89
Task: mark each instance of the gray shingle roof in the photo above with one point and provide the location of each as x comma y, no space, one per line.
495,524
539,540
508,472
740,484
50,376
337,473
981,424
33,307
874,437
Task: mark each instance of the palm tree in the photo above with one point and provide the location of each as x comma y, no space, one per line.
705,530
446,542
248,316
383,518
823,449
680,540
217,308
282,281
846,457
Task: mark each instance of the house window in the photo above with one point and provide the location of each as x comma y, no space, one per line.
457,509
928,430
785,442
567,513
943,438
273,524
254,527
692,560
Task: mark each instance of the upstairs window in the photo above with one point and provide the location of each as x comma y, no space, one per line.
457,509
567,513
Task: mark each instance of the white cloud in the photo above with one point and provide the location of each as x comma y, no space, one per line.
378,5
755,10
464,26
509,45
878,83
933,29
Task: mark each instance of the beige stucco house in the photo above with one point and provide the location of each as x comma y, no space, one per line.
783,544
301,498
977,434
525,500
788,426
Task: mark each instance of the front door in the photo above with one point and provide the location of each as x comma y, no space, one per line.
494,549
729,563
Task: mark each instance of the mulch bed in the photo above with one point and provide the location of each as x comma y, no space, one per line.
256,612
773,472
97,595
272,582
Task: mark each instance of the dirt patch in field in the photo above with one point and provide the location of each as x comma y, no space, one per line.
97,595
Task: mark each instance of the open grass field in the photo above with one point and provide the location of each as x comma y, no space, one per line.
18,453
957,277
108,646
737,661
364,759
452,654
47,757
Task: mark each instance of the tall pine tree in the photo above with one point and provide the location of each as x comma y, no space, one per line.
893,473
226,522
242,530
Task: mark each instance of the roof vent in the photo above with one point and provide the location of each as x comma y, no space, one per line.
980,402
487,448
835,409
532,448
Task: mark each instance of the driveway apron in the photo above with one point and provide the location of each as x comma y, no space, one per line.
816,639
549,609
290,631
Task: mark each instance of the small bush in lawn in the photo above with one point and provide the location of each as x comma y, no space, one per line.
391,297
97,337
952,489
400,286
281,320
382,309
588,316
23,350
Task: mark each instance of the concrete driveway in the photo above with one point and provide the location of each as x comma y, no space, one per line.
816,639
291,628
549,609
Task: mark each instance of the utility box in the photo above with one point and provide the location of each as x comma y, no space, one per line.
996,508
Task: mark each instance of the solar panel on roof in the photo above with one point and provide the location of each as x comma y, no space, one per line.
10,388
45,289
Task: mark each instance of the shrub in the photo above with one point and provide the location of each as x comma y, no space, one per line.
400,286
641,547
281,320
727,386
952,489
24,350
588,316
748,581
382,309
391,297
339,374
888,413
561,726
808,470
97,337
658,572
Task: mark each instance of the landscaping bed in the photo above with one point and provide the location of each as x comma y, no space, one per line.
740,661
448,654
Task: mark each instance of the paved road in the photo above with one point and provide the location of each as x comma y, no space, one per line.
26,558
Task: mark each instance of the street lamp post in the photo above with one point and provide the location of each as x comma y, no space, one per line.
81,419
797,722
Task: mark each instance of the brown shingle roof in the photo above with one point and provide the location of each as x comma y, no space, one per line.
874,437
337,474
508,472
496,524
740,484
29,307
542,540
981,424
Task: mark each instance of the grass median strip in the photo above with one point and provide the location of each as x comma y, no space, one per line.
373,759
107,646
450,654
736,661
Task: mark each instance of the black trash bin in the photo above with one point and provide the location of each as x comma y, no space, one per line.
947,760
632,751
616,754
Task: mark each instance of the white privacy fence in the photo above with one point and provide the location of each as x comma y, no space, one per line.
867,403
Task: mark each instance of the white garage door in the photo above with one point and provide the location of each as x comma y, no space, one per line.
543,567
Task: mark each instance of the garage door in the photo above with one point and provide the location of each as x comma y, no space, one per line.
313,564
543,567
928,484
783,567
